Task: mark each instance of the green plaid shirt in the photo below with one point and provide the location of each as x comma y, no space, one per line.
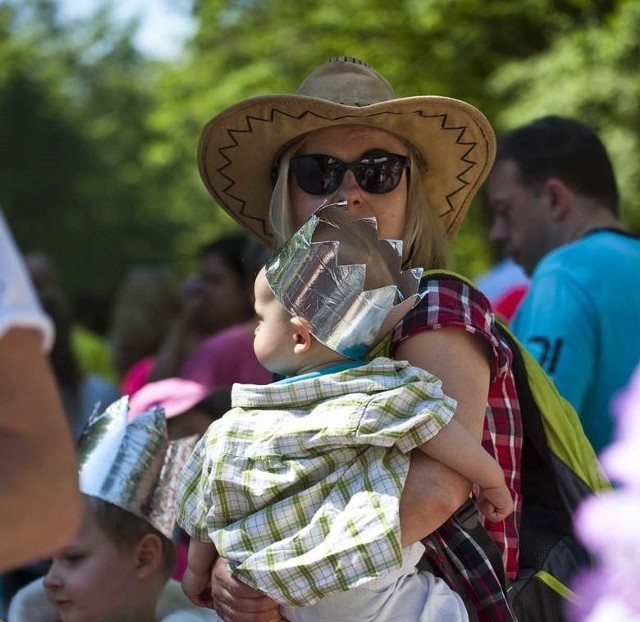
299,484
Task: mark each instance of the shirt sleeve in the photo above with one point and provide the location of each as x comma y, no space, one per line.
194,494
19,306
561,335
406,417
450,302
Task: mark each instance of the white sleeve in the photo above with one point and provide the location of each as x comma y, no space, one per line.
30,604
19,306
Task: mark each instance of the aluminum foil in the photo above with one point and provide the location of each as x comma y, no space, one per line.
344,280
132,464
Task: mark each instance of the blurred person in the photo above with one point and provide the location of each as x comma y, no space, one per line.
555,205
118,565
214,299
91,350
38,469
82,392
228,356
145,307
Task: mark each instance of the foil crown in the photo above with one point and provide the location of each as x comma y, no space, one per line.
132,464
344,280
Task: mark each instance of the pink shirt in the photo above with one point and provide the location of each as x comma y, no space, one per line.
225,358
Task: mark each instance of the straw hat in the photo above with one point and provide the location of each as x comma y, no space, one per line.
239,147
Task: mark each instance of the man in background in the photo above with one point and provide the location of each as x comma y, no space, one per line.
554,202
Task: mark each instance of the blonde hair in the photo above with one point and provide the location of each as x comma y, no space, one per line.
425,238
280,207
426,243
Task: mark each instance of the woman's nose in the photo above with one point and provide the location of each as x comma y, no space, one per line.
349,191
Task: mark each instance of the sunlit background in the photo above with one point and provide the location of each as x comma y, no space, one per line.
102,104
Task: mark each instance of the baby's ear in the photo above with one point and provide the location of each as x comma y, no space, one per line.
302,337
149,553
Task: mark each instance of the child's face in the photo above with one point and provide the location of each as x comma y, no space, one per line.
90,579
275,335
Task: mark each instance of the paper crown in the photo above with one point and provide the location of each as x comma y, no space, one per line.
132,463
344,280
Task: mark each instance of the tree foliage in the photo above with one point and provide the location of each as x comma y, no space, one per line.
99,142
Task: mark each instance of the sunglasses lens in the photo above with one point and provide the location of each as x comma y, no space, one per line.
376,173
380,173
318,174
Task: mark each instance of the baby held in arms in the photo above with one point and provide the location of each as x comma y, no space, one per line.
298,485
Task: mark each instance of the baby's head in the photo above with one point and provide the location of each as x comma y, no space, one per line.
114,569
283,343
332,292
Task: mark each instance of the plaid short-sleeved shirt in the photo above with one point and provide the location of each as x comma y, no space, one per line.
299,484
451,302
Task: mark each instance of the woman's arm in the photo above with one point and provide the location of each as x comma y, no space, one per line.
433,492
38,470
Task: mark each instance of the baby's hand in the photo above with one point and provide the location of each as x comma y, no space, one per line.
198,588
495,503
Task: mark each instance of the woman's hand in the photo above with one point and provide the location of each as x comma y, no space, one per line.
236,602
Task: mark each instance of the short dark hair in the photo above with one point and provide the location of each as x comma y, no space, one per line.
565,148
230,248
125,529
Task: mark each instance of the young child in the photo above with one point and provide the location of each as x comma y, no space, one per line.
118,565
299,484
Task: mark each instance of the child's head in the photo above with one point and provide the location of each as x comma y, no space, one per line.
114,569
339,282
120,560
283,343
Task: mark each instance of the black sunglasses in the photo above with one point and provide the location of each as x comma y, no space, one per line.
376,172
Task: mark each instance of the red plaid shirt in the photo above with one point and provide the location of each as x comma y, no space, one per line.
451,302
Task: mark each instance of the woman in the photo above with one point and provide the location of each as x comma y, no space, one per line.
414,164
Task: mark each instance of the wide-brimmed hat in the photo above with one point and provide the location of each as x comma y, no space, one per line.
239,147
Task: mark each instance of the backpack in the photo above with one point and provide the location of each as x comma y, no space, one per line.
559,469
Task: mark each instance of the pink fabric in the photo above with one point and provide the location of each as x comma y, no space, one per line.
137,376
225,358
175,395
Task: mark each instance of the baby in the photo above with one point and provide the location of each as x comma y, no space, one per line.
299,484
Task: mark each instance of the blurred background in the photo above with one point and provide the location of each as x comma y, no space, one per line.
101,105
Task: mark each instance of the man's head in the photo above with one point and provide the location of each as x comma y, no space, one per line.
552,181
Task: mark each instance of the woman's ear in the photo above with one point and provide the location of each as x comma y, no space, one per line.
302,338
149,555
